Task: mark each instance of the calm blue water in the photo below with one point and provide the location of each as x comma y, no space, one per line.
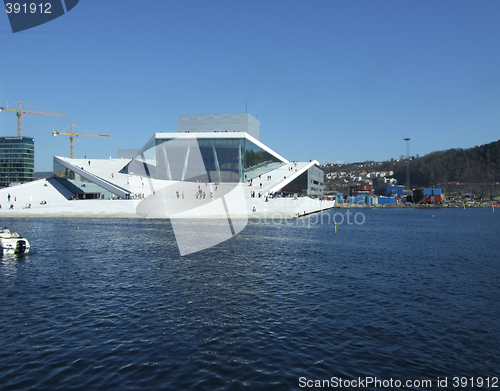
409,294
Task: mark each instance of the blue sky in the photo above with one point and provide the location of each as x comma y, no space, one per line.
328,80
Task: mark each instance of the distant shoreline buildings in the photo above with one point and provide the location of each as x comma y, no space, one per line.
17,160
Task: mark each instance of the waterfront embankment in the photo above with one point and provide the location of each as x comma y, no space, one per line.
456,204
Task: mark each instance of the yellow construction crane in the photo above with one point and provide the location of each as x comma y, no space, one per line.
20,114
72,136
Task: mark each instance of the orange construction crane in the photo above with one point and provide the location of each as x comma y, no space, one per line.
20,114
72,136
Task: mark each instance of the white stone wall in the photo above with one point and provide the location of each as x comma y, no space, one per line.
315,181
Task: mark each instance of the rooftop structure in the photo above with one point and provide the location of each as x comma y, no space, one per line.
239,122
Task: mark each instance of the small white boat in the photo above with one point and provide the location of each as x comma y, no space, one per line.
12,243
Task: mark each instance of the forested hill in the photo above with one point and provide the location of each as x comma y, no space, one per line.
474,165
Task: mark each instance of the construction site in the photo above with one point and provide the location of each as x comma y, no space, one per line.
17,153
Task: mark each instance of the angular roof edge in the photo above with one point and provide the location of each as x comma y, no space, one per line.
295,175
214,135
111,187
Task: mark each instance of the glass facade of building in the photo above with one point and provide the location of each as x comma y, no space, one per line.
80,186
297,186
17,160
204,159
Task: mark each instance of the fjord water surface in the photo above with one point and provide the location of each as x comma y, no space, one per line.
105,304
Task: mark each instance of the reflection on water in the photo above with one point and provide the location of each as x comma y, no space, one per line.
111,304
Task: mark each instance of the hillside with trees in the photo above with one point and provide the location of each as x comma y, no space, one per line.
474,165
479,166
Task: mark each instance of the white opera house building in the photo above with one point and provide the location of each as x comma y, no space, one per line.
213,166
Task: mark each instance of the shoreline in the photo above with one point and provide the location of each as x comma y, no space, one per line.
446,205
27,213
